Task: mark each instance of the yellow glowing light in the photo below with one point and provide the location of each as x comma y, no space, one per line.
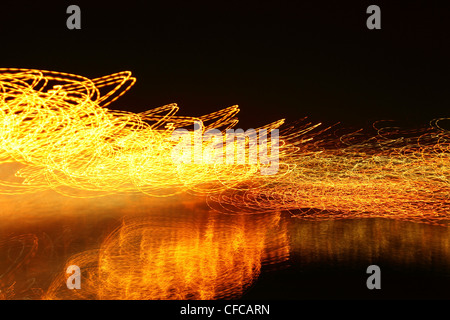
148,259
393,174
57,126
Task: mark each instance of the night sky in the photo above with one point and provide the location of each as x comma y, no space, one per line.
275,59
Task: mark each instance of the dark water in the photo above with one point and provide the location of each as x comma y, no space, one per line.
177,248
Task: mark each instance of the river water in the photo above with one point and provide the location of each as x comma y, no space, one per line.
139,247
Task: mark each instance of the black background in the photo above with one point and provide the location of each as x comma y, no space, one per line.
275,59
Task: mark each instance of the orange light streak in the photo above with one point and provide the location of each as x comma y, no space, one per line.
149,258
393,174
58,127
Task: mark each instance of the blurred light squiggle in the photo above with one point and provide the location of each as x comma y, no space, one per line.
184,259
393,174
57,126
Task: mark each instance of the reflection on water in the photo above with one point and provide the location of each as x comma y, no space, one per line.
196,255
145,248
137,247
363,242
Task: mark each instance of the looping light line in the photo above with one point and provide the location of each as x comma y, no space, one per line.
57,126
401,174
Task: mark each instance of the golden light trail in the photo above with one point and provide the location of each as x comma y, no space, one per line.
58,128
58,134
392,174
166,258
15,254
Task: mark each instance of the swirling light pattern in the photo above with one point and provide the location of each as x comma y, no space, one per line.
16,253
164,258
56,133
57,126
392,174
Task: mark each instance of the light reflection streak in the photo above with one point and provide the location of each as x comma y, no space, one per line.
212,257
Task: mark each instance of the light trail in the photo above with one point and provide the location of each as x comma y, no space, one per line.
392,174
165,258
56,133
57,126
